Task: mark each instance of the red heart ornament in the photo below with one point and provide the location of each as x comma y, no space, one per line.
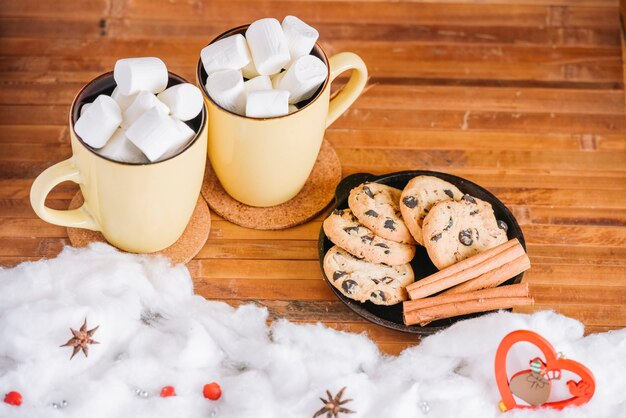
581,390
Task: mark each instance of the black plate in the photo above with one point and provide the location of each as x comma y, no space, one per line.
391,316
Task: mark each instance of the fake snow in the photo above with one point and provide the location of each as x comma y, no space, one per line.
155,332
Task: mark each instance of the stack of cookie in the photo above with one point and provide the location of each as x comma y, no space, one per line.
452,226
375,237
373,246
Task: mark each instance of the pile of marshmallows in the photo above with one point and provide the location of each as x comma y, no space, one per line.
141,121
260,56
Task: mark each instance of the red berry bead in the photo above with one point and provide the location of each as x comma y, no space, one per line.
13,398
168,391
212,391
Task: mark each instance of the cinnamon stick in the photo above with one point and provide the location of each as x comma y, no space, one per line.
475,304
467,269
494,277
514,290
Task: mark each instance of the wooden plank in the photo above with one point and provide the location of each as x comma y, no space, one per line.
471,139
345,11
374,31
506,62
58,8
398,160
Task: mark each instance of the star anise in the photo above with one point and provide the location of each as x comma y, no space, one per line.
333,406
81,339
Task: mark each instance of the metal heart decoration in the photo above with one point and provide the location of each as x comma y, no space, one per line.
533,385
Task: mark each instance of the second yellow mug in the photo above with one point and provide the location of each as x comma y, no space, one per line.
266,161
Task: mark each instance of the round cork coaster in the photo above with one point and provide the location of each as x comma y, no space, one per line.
182,251
317,193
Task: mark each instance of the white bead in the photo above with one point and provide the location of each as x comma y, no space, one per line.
300,37
226,88
184,100
268,46
133,75
143,102
303,78
119,148
153,133
122,101
226,54
267,103
261,82
185,133
99,121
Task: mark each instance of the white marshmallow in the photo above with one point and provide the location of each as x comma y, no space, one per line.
267,103
119,148
292,108
226,88
184,100
179,142
226,54
303,78
99,121
300,37
153,133
143,102
249,71
276,79
84,107
133,75
268,46
261,82
123,101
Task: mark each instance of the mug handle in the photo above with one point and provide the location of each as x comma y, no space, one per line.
46,181
339,63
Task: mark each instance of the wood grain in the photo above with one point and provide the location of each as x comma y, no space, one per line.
525,97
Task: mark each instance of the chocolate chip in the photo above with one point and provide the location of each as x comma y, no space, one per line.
379,294
410,201
338,275
449,224
387,280
351,229
382,244
468,198
367,239
390,224
372,213
474,212
449,193
503,225
338,212
477,234
387,252
349,286
435,238
368,192
465,237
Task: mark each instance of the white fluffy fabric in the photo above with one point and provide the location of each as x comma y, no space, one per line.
272,371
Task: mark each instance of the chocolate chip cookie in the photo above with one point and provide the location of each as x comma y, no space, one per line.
376,206
456,230
364,281
418,196
344,229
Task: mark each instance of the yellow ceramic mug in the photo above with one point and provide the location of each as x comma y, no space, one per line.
137,207
266,161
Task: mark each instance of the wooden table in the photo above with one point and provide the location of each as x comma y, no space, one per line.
525,97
